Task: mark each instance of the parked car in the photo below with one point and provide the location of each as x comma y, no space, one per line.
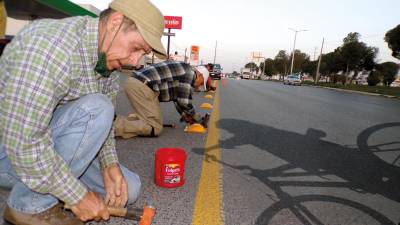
294,79
215,72
245,75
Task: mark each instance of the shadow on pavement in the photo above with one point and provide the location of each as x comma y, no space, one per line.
361,170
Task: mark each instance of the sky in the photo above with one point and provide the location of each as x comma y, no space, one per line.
239,27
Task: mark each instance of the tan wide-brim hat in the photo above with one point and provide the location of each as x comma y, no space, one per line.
148,19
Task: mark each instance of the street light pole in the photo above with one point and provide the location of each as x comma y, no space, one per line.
215,51
294,47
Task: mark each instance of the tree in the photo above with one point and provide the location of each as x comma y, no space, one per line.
368,61
374,78
269,69
388,71
300,59
310,67
252,66
281,62
357,55
351,37
392,37
331,64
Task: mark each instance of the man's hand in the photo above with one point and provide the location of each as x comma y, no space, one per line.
91,207
115,185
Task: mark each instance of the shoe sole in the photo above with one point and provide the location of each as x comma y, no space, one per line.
5,222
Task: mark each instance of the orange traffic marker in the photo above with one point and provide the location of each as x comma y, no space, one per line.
206,105
208,96
195,128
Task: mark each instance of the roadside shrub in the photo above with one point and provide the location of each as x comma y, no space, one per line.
343,79
334,78
373,78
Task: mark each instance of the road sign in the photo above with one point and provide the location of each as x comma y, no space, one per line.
173,22
194,55
168,34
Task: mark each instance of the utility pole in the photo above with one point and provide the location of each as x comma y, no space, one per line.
215,51
319,62
315,51
294,47
185,55
169,40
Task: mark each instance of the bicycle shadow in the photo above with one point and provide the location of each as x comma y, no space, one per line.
362,170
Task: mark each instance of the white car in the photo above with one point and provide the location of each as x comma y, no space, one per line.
293,79
245,75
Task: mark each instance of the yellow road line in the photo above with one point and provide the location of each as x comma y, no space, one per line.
208,202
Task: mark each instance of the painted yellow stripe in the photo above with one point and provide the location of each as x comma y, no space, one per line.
208,202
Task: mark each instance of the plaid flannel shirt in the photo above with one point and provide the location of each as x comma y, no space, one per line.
174,81
49,63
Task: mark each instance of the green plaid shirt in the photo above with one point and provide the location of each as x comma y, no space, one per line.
49,63
173,81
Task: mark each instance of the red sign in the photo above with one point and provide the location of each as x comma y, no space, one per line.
173,22
194,55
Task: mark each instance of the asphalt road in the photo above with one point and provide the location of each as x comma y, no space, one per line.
288,155
306,155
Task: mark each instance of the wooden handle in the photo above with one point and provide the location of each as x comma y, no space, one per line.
120,212
144,216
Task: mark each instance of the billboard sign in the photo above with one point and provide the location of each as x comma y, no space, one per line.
173,22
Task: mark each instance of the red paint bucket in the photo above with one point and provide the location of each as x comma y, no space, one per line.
169,167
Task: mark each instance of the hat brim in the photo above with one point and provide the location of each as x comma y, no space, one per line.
159,55
154,42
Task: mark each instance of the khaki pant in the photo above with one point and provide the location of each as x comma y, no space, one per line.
147,108
3,19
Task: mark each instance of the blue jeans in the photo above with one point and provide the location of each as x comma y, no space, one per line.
79,130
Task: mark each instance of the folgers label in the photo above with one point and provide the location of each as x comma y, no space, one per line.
169,167
172,173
